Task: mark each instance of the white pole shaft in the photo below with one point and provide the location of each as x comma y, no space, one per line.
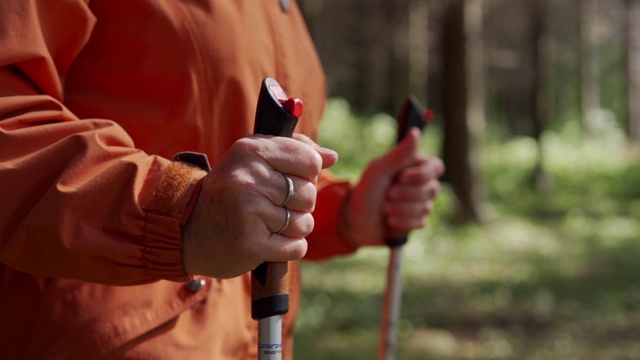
270,338
391,307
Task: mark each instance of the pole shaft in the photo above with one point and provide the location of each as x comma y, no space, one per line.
391,306
410,116
270,338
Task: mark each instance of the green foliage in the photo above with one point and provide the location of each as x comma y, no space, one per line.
553,274
360,139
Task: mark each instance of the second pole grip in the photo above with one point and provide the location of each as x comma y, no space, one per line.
410,116
276,115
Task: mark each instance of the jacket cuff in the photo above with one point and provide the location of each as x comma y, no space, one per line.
167,206
330,237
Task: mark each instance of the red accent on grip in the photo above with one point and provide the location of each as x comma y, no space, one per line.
428,115
293,106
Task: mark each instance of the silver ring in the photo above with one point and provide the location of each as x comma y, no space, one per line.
290,190
286,221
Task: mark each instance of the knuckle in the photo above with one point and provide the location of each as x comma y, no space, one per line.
428,208
437,187
307,225
311,161
246,144
300,250
303,226
308,195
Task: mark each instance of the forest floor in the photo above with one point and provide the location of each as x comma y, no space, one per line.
552,273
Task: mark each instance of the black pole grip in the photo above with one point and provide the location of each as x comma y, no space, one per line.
271,116
269,284
411,115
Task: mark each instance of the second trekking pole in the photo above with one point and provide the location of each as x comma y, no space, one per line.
410,116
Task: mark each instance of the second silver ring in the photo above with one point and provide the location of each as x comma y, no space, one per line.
290,190
286,221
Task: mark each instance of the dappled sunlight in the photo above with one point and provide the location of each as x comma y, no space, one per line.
551,274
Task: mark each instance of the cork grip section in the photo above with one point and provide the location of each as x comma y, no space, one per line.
269,290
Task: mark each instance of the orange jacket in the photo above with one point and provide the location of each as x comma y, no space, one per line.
95,98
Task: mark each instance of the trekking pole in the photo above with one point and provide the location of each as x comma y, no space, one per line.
410,116
276,115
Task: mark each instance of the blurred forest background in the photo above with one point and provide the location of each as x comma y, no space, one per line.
533,251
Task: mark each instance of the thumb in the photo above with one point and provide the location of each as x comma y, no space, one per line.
403,154
329,156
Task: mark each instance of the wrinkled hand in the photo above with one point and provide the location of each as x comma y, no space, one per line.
380,206
232,228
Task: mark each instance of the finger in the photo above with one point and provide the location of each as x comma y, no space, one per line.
405,225
287,155
425,168
301,194
408,217
289,223
416,209
329,156
413,192
280,248
401,156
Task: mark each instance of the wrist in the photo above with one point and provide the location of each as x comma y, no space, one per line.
172,197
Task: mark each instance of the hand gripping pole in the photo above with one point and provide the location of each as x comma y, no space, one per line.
410,116
276,115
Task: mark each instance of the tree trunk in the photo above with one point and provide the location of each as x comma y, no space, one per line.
633,71
463,104
370,54
395,36
537,97
589,63
418,37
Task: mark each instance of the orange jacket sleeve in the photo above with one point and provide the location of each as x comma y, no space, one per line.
72,189
329,236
